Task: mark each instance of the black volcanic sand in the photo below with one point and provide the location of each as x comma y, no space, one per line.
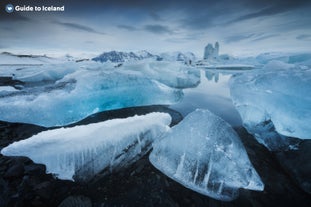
23,183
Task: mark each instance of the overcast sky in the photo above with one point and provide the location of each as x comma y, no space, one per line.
241,26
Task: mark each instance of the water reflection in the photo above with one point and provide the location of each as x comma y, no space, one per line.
213,94
210,75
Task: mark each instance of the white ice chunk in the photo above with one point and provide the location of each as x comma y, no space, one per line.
280,96
81,152
205,154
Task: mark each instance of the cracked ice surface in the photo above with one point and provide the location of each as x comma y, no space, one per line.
81,152
205,154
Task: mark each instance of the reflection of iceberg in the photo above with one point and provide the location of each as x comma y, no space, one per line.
206,155
80,94
210,75
81,152
277,96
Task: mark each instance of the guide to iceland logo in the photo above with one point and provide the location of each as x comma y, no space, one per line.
9,8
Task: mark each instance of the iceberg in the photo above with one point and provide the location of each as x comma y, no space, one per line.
272,101
210,52
205,154
81,152
80,94
291,58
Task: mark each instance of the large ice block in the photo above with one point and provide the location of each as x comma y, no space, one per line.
81,152
274,100
205,154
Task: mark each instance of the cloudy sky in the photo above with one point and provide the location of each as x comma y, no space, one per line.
242,27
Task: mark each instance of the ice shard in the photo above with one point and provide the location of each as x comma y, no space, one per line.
205,154
81,152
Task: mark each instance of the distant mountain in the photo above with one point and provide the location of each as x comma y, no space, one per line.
24,56
119,57
10,58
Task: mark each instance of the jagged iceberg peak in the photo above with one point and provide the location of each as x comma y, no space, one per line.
274,99
81,152
205,154
210,52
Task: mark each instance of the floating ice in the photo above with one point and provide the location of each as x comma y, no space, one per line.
205,154
187,57
280,96
81,152
298,58
211,53
80,94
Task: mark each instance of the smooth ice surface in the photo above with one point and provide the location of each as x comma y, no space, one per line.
66,93
280,96
205,154
81,152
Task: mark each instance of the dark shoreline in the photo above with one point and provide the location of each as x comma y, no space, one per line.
23,183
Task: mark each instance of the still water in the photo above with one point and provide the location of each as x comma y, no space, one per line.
213,93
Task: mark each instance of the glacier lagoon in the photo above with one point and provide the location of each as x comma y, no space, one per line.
212,92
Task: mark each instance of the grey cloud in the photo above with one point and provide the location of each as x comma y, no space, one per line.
127,27
15,17
277,8
155,16
198,22
89,42
79,27
157,29
265,37
304,37
237,38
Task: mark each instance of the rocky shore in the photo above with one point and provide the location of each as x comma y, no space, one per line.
24,183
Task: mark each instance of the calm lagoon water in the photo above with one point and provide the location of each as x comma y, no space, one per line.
212,93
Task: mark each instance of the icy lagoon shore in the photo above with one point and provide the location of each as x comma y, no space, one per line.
199,95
